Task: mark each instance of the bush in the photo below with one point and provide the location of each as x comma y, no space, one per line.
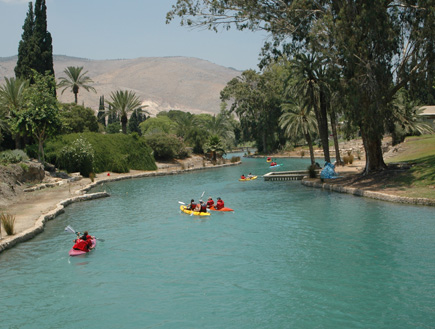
112,152
77,156
8,223
13,156
166,147
235,159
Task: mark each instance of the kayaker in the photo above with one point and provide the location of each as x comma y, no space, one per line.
203,206
210,202
220,204
83,243
192,205
250,175
243,176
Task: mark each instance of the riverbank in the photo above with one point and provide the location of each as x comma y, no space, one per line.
33,207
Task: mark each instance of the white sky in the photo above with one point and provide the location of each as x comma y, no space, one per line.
109,29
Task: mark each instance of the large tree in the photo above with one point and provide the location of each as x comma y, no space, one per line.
39,117
75,79
373,42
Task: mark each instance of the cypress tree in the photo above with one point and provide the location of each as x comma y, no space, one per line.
101,112
35,50
26,47
43,39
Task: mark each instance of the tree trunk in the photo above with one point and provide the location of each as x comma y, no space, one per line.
323,126
264,142
335,136
124,124
373,152
310,146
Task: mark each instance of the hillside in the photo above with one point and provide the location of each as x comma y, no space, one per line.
163,83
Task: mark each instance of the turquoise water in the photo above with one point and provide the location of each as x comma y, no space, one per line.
288,257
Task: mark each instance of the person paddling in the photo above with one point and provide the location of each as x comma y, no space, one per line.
192,205
220,204
84,242
210,202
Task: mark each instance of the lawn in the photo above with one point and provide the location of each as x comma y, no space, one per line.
419,181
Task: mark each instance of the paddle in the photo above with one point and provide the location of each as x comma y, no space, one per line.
71,230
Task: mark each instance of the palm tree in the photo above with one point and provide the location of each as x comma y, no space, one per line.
311,83
12,101
74,80
124,102
297,120
214,145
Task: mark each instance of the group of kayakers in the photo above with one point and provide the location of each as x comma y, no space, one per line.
83,242
245,177
202,206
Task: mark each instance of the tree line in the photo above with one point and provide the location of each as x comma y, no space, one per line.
359,59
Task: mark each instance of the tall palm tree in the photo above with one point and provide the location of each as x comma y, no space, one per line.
12,101
75,80
311,83
297,120
123,102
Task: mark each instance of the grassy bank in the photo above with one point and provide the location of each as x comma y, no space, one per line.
419,181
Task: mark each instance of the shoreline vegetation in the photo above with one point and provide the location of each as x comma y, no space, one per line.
402,185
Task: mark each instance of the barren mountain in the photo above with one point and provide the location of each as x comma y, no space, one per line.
162,83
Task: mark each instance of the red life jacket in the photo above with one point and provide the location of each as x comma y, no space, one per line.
210,203
219,204
82,245
203,208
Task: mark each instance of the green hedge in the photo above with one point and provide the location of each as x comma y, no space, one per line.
112,152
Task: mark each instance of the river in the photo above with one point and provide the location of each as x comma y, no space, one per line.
288,257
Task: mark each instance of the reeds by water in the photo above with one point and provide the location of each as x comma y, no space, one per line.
8,221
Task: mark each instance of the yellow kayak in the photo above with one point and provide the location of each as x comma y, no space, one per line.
252,178
196,213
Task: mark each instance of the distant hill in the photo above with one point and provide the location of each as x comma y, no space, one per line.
163,83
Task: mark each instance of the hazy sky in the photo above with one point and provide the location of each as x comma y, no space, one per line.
109,29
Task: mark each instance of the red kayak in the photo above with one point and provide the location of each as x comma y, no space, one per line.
222,209
74,252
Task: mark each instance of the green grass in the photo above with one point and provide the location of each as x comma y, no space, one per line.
419,181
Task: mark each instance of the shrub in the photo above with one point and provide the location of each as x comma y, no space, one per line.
13,156
77,156
8,221
111,151
166,146
302,153
235,159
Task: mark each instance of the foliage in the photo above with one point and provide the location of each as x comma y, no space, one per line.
376,48
8,221
158,125
166,146
75,79
214,146
77,156
406,119
113,128
40,116
13,156
255,98
124,102
136,118
35,50
114,152
101,116
11,102
235,159
77,119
